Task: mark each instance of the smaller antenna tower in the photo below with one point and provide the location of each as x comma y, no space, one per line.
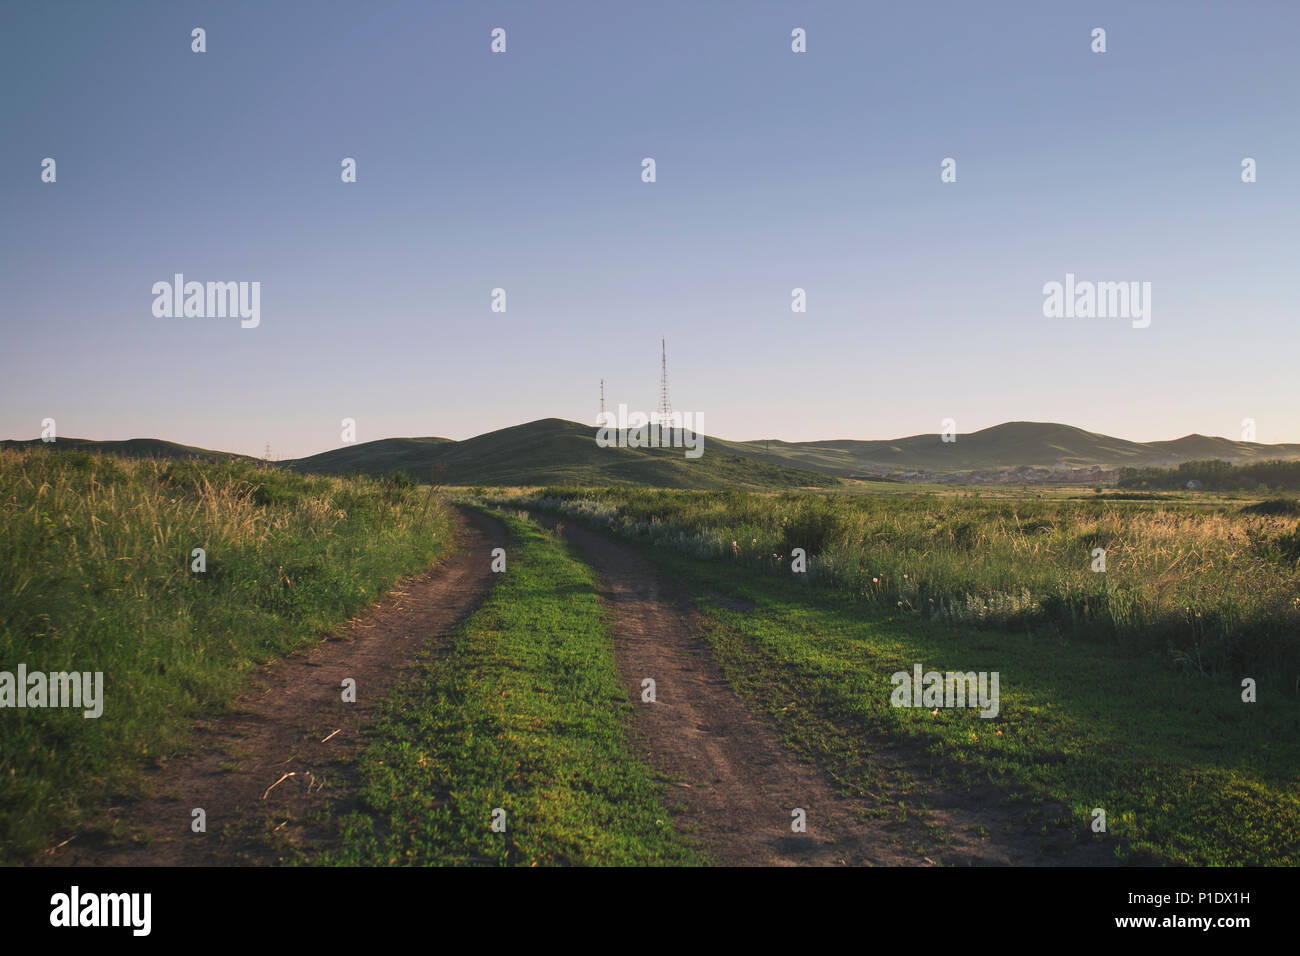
602,398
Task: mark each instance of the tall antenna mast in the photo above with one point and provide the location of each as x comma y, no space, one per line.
602,399
665,406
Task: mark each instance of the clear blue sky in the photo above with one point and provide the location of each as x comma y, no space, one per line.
522,171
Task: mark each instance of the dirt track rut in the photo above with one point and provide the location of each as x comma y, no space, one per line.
740,783
293,722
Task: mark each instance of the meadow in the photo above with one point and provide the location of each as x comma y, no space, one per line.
1096,713
1185,772
1212,589
1121,688
96,574
524,714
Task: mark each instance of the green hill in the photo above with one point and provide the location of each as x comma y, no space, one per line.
553,451
129,448
1013,444
1203,447
380,457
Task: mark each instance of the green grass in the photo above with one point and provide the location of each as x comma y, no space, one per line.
1186,772
524,712
95,575
1213,590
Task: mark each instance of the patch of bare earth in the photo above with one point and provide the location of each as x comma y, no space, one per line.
738,783
264,771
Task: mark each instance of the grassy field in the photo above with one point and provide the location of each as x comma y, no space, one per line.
1212,590
1157,737
96,575
525,713
1119,689
1186,772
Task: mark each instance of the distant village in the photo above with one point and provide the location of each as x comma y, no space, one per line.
1022,475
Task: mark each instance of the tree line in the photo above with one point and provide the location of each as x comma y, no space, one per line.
1216,475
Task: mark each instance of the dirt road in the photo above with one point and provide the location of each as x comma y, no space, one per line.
263,771
739,783
289,745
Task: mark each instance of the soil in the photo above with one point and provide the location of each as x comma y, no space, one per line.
287,750
738,784
263,771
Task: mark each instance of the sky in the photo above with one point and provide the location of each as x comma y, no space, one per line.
522,171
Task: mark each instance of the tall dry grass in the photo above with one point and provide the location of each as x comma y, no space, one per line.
95,575
1212,591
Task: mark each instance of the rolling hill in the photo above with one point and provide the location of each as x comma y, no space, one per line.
129,448
1010,445
555,451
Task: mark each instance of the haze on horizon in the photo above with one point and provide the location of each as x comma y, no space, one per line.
522,171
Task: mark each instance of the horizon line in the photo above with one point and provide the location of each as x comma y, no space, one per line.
748,441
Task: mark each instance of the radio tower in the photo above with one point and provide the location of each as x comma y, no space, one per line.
665,406
602,399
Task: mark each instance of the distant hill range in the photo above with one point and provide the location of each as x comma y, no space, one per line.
554,451
1012,447
130,448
